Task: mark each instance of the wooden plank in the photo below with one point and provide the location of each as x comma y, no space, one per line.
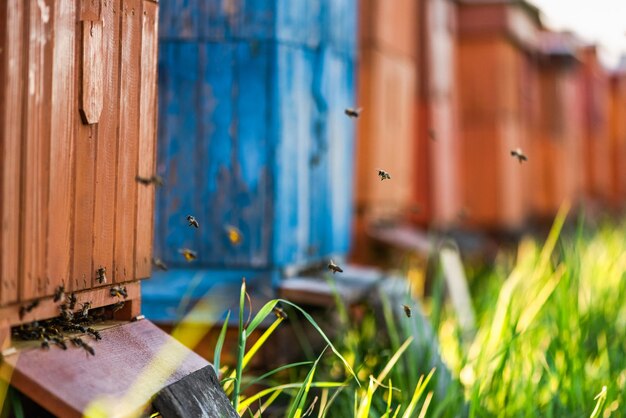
36,156
47,308
106,148
124,353
126,204
62,144
12,80
91,95
147,140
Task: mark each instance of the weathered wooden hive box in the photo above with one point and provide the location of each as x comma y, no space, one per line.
618,138
556,151
437,160
499,101
77,125
386,133
596,141
253,142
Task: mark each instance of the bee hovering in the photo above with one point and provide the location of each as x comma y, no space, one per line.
353,113
158,263
235,237
188,254
517,153
146,181
334,267
383,175
101,275
193,221
407,310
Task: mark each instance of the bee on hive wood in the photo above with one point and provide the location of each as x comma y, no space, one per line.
27,308
95,334
146,181
383,175
192,221
159,264
118,291
85,309
116,307
71,300
101,275
45,344
334,267
407,310
59,341
59,293
353,113
235,237
517,153
78,342
279,312
188,254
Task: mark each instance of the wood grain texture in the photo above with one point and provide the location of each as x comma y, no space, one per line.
36,155
62,144
126,204
91,95
106,148
11,70
142,348
147,139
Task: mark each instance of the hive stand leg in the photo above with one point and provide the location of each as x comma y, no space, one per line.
131,309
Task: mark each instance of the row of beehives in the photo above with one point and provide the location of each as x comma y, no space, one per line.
489,79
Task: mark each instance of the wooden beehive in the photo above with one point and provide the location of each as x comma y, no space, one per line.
499,108
77,125
436,182
618,139
387,91
596,142
556,149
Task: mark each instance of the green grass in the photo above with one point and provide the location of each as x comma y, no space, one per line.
550,341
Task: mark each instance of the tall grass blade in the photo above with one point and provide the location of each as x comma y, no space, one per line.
424,409
600,400
241,346
300,399
217,354
419,389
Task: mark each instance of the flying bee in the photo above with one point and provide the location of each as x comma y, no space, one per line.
159,264
59,293
27,308
383,175
353,113
517,153
116,307
146,181
192,221
407,310
279,312
71,300
101,275
234,235
85,309
119,291
157,180
95,334
188,254
334,267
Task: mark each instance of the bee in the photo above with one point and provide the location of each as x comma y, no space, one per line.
234,235
146,181
85,309
45,344
192,221
517,153
334,267
66,313
78,342
383,175
159,264
95,334
279,312
407,310
119,305
59,341
118,291
154,179
188,254
353,113
59,293
101,275
27,308
71,300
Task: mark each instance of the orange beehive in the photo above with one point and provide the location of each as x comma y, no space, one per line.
499,108
596,142
437,156
618,138
556,147
387,80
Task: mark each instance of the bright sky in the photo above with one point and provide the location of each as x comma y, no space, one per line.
600,21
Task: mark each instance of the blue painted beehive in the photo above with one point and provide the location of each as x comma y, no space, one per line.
252,135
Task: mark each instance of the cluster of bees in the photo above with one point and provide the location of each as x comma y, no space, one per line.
75,318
